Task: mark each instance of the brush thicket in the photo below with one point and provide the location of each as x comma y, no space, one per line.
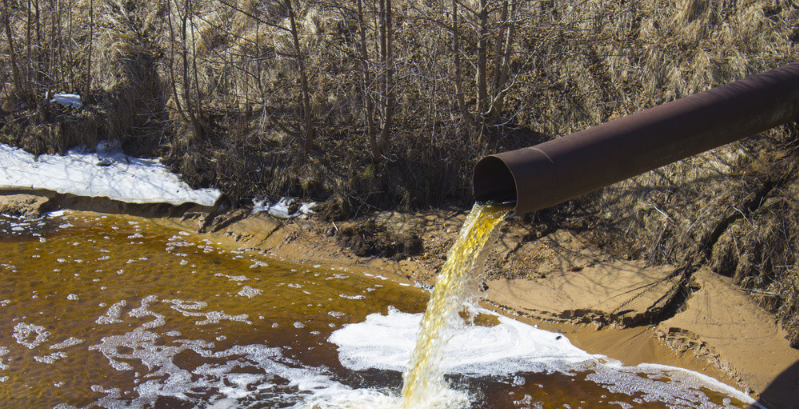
216,88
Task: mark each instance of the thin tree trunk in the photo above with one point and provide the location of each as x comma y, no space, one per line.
456,51
70,59
369,108
482,45
502,62
29,41
55,65
509,44
198,106
499,43
88,86
9,36
171,66
388,79
482,75
36,56
191,109
308,130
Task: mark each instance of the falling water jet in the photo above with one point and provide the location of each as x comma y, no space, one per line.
424,380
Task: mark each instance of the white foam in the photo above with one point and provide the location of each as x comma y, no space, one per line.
258,263
387,341
3,352
224,384
23,333
232,278
352,297
337,396
51,358
71,341
681,382
249,292
144,311
189,309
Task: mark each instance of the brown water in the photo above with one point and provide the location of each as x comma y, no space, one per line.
116,312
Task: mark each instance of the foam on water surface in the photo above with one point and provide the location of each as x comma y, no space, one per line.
426,347
386,342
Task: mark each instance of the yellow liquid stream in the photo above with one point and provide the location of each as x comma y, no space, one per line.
424,381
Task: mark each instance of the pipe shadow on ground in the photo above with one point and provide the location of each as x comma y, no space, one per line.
783,391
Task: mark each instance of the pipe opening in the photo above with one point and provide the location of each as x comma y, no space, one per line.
493,181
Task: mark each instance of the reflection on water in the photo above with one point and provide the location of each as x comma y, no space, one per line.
115,311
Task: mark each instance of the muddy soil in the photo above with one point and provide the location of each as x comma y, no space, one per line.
557,280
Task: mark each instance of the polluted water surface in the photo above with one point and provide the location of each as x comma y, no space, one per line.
112,311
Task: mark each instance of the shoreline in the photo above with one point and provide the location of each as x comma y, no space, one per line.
675,338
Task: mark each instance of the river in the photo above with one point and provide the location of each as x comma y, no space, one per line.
114,311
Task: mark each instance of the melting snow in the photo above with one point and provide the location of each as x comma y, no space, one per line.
105,173
281,209
67,100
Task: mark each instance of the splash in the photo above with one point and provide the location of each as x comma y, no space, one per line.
424,382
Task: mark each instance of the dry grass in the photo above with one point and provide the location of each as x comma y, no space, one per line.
225,117
733,209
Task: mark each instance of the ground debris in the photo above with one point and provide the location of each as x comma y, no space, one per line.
22,204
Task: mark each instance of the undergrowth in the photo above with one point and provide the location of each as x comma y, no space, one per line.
216,89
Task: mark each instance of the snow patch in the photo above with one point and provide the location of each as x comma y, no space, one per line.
285,208
109,172
67,100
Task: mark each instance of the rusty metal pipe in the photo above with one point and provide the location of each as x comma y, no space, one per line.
561,169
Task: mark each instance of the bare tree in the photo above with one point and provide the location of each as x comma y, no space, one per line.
387,97
187,98
378,91
18,86
307,130
503,44
483,33
88,84
456,52
497,33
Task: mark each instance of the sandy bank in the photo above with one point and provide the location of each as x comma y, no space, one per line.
619,308
720,323
624,293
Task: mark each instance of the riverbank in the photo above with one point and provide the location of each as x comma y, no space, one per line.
623,309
